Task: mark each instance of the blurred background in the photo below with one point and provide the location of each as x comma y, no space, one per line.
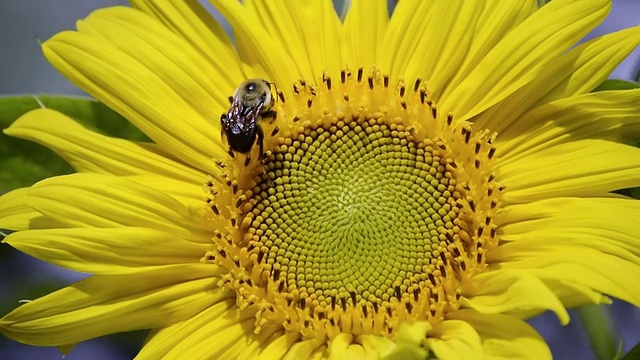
23,70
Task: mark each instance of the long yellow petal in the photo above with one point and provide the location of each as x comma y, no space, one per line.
107,304
523,54
107,251
505,337
76,199
88,151
577,168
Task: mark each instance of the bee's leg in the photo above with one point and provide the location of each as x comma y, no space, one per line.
271,115
261,143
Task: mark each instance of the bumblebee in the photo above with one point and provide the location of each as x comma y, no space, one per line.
251,102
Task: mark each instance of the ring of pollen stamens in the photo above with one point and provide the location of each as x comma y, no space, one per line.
370,210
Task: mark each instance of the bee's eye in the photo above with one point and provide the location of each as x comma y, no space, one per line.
251,87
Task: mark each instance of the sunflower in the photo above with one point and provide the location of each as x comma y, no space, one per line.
429,180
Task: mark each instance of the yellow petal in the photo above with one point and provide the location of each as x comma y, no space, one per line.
107,251
523,54
90,200
497,19
105,304
260,53
578,71
88,151
145,97
15,214
576,168
511,292
608,115
446,37
190,21
455,339
363,31
505,337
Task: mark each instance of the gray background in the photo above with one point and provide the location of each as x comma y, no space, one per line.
23,70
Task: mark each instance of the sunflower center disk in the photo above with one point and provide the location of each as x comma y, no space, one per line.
360,220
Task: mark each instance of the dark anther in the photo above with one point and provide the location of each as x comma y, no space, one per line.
478,147
236,262
456,251
289,302
389,311
333,303
408,306
477,164
364,310
321,316
215,210
343,301
260,256
436,297
472,205
353,297
281,286
222,253
276,274
281,96
403,104
302,303
295,89
274,131
493,233
343,76
432,279
397,292
443,270
234,221
416,85
423,95
402,90
234,186
416,294
480,231
434,111
211,257
449,119
247,160
463,265
312,91
239,203
370,81
309,103
296,118
360,71
230,99
479,258
385,79
375,306
467,137
346,97
433,312
453,164
303,82
487,220
443,257
492,152
328,83
332,322
230,152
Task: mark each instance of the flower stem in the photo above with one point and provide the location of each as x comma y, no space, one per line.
596,322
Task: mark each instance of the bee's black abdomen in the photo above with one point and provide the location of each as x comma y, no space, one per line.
241,143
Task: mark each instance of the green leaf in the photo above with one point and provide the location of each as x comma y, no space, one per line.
614,84
633,354
23,163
